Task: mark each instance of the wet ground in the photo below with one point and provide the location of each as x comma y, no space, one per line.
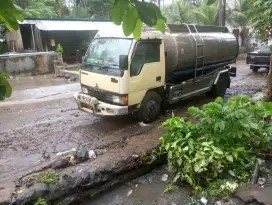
150,189
38,122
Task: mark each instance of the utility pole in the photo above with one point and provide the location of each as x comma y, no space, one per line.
221,13
224,12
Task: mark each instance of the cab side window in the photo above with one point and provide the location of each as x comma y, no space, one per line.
145,52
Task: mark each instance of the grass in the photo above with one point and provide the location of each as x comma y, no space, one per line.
48,177
76,69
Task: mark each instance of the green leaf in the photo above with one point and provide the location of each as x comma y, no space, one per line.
146,13
209,2
185,148
218,151
198,165
118,11
138,29
229,158
160,26
7,90
9,14
129,22
167,146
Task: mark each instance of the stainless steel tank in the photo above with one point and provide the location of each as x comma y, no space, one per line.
220,46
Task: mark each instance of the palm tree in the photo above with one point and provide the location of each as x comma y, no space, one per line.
184,11
178,12
205,13
238,18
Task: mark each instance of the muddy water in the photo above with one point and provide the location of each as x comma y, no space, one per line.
146,190
30,82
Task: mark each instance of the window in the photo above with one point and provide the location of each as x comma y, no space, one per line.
145,52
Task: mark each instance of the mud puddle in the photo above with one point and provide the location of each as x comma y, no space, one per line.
30,82
146,190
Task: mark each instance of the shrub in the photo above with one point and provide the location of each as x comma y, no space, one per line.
59,48
5,87
224,138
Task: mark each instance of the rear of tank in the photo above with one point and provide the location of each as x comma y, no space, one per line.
180,48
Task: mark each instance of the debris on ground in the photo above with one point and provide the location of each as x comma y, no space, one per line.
92,154
81,155
61,162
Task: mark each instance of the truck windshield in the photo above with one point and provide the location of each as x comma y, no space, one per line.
104,53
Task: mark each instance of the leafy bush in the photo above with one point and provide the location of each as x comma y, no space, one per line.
224,138
59,48
40,201
48,177
5,88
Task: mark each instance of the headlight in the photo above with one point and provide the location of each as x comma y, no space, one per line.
120,100
116,99
84,90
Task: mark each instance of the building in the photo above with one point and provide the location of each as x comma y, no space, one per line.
42,35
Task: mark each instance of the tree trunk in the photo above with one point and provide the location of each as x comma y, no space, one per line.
269,81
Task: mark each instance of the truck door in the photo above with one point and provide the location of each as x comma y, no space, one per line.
147,69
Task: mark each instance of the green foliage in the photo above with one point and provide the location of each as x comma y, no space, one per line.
37,8
48,177
260,16
170,188
5,87
222,188
59,48
40,201
183,12
220,141
9,14
133,13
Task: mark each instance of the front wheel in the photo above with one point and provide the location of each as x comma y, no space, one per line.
150,107
254,69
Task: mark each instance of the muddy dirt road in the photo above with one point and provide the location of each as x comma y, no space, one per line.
37,123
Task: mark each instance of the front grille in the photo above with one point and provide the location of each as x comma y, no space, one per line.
100,95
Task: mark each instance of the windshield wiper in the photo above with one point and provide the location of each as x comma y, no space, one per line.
108,67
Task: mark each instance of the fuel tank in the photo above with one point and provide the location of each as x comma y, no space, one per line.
207,45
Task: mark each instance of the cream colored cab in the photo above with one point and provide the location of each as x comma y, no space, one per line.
117,73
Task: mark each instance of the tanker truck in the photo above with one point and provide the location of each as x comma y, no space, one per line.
120,75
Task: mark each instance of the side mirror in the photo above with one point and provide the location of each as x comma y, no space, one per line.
123,62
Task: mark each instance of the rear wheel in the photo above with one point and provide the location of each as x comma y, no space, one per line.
220,88
254,69
150,107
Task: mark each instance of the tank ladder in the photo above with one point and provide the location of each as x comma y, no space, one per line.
199,48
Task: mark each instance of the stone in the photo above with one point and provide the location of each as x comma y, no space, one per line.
264,196
73,78
164,177
246,193
41,188
81,155
100,151
60,163
231,202
261,181
92,154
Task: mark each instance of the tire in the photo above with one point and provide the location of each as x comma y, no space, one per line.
150,109
254,69
219,90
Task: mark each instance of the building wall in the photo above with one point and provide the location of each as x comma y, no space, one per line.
28,63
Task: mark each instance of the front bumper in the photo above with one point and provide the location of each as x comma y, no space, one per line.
92,106
259,65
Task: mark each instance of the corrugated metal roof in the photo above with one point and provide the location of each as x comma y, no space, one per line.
69,25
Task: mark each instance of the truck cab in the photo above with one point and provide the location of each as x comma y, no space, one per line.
117,72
